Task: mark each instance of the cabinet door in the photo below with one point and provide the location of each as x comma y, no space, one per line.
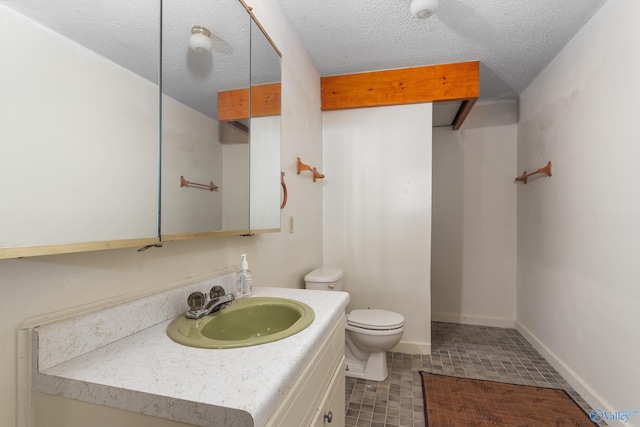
78,129
332,410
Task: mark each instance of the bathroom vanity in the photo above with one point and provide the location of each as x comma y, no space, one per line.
117,366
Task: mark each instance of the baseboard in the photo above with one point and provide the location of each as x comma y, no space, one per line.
408,347
473,320
588,394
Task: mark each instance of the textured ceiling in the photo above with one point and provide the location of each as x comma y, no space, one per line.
128,33
125,32
513,40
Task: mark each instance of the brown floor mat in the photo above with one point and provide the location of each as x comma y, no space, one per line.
452,401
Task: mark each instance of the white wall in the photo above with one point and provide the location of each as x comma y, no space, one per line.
265,169
202,150
295,254
191,148
377,211
41,285
235,186
473,268
578,232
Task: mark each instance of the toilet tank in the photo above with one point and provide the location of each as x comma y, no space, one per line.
324,279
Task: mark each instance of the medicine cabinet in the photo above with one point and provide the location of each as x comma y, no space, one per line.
101,115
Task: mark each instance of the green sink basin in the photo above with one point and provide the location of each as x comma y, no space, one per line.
246,322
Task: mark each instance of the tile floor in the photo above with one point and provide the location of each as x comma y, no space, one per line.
481,352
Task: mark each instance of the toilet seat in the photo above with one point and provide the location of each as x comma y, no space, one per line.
375,320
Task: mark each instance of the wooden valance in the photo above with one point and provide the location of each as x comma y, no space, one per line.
431,83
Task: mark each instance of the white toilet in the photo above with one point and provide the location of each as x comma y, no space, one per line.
369,333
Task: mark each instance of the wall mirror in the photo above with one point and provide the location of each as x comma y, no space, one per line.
219,149
266,71
78,125
97,104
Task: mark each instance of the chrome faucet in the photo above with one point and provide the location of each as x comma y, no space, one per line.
201,305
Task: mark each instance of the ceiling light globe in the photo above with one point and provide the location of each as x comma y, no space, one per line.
200,40
423,8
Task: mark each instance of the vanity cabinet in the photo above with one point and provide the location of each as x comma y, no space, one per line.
313,396
318,390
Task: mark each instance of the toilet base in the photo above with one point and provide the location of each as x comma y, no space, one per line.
374,368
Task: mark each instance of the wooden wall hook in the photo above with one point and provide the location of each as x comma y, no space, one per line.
303,167
525,176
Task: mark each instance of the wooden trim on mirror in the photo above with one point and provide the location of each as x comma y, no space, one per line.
209,234
266,230
38,250
264,31
203,235
234,104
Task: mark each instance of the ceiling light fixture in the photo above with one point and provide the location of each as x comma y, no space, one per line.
200,40
423,8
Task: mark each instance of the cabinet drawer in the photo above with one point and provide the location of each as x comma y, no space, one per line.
332,409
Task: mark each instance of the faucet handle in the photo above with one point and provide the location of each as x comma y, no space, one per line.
216,292
196,301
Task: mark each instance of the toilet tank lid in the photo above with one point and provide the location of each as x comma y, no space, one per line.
375,318
324,275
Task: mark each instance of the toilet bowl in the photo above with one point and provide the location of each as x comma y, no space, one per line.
369,333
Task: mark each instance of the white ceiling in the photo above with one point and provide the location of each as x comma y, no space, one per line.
513,39
128,33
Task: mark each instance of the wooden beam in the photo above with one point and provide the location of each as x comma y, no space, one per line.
237,126
265,100
463,112
433,83
233,104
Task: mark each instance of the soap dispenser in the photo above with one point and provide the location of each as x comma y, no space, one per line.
244,285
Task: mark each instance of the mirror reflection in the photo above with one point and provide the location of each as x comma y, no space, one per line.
205,51
265,132
220,123
112,135
78,125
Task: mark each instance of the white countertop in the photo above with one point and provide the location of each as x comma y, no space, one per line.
147,372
